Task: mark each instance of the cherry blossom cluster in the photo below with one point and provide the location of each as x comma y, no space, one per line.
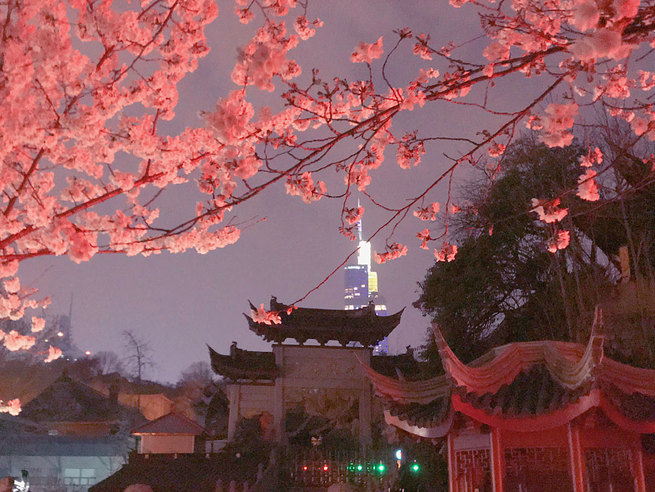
587,186
447,252
262,315
559,241
12,407
393,251
548,210
409,151
354,215
428,213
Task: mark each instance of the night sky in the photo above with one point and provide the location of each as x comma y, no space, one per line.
180,302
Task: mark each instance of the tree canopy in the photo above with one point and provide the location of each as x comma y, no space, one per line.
511,281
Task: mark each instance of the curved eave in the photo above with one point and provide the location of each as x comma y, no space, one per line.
410,421
436,430
224,365
557,418
408,391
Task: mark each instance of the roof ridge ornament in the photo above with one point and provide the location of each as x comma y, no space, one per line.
446,354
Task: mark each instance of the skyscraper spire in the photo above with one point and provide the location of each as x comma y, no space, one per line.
364,253
359,226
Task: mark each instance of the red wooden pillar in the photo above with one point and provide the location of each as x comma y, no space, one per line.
576,459
497,460
452,469
638,467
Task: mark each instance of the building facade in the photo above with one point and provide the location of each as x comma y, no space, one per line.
269,384
534,417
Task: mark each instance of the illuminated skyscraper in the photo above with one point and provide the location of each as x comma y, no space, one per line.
361,286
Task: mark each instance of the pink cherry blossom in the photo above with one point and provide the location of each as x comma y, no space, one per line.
646,80
12,407
38,324
265,57
424,236
625,8
409,151
304,187
496,149
587,187
560,241
366,53
558,119
53,354
496,51
585,15
427,213
304,29
393,251
261,315
231,120
447,252
421,47
548,210
592,157
603,43
245,15
12,285
14,341
354,215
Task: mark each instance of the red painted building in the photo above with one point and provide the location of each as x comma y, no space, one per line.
533,416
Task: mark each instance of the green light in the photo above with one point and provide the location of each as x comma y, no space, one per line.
415,468
381,468
360,467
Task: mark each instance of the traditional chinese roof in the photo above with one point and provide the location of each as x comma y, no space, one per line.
323,325
68,400
171,423
526,386
244,364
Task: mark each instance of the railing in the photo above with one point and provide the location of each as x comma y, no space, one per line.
302,467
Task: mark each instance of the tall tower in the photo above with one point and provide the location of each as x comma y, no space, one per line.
361,286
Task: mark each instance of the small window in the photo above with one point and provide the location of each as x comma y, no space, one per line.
79,476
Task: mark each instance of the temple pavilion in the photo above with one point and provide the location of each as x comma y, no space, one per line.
268,384
533,416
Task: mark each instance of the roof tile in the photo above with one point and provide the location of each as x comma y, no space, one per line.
171,423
